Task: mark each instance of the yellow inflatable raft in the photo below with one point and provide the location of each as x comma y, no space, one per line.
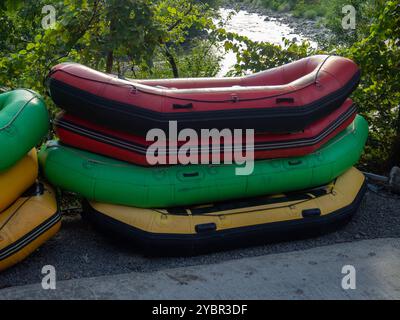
27,224
199,229
14,181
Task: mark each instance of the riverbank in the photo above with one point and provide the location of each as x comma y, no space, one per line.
258,28
308,28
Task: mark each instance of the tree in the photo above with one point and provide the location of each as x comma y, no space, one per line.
179,18
107,35
378,95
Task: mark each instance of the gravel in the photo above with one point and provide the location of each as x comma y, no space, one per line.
79,251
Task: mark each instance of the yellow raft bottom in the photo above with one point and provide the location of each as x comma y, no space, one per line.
211,223
27,223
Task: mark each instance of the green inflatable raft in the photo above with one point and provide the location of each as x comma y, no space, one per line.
24,121
111,181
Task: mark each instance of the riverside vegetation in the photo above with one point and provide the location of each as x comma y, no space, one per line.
177,38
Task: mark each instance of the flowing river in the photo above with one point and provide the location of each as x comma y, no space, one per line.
257,28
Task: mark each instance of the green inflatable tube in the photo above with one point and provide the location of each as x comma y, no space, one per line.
24,121
111,181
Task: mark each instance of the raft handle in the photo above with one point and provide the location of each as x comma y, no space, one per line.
307,213
284,100
294,162
182,106
191,175
205,227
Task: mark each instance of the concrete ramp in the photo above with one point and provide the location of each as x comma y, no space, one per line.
309,274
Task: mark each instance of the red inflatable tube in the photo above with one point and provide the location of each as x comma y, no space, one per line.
85,135
284,99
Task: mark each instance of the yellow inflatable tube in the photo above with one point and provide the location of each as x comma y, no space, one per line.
14,181
27,224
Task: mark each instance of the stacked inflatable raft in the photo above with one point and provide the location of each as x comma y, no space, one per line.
307,139
28,209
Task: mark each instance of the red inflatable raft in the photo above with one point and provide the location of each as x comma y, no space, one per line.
86,135
284,99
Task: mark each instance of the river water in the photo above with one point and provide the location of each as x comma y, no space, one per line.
256,28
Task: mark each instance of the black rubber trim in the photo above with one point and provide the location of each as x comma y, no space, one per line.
192,244
30,237
258,146
139,120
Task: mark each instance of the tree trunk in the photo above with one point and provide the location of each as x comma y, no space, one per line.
110,61
172,62
395,154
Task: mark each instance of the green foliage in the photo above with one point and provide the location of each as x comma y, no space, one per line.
180,20
258,56
199,61
366,11
310,14
378,96
279,4
331,13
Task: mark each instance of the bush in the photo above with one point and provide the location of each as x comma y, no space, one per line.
310,14
200,60
284,7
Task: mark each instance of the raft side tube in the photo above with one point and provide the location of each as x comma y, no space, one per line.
15,180
28,223
284,99
24,121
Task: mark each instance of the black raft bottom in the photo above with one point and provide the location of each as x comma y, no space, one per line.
211,241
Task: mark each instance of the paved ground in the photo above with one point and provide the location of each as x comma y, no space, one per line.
309,274
80,252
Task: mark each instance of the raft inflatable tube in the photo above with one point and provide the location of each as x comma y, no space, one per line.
283,99
89,136
24,121
28,223
193,230
14,181
111,181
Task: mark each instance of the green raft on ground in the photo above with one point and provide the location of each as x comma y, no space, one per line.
24,121
111,181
